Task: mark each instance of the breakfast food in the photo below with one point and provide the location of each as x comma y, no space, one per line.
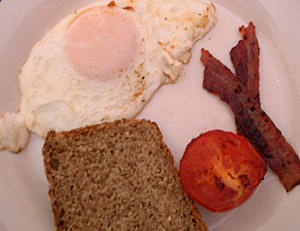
105,61
221,170
13,133
256,125
245,59
116,176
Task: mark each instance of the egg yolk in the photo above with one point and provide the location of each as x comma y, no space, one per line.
101,43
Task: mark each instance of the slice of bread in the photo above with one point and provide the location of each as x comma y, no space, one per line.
116,176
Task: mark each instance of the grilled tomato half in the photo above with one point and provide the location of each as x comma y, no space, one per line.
220,170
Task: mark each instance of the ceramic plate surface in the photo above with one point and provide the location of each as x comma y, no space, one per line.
182,110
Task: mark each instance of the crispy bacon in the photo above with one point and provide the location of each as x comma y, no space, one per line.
256,124
245,59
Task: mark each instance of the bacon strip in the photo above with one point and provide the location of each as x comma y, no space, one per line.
256,124
245,59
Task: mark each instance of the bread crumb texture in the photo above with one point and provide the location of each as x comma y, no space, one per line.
116,176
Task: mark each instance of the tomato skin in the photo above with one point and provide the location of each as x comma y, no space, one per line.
220,170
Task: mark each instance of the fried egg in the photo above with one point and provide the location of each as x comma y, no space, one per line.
13,133
105,61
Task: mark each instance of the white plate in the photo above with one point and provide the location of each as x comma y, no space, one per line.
182,110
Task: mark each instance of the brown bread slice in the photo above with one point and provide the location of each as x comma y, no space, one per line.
116,176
